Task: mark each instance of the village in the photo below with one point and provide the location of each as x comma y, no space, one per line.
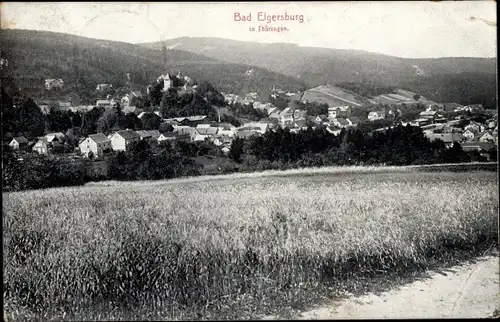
448,122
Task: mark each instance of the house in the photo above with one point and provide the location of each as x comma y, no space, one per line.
275,114
42,146
183,130
121,140
447,138
340,122
54,83
44,108
103,103
245,133
174,137
167,81
321,119
223,140
451,107
55,137
151,135
103,87
299,114
300,124
477,146
430,115
255,126
474,108
478,127
201,137
95,144
64,106
486,137
353,121
376,115
286,117
471,134
168,136
210,131
18,142
420,122
339,111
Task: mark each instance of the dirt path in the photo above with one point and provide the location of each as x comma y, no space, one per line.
467,291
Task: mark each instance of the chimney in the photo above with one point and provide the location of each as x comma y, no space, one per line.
218,112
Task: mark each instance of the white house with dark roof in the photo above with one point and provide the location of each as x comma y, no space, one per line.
42,146
121,140
18,142
97,144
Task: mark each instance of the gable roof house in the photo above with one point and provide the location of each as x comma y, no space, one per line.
55,137
207,130
174,137
428,114
286,117
353,120
223,140
340,122
121,140
275,114
485,137
339,111
376,115
18,142
471,133
96,144
201,137
476,126
42,146
321,119
191,131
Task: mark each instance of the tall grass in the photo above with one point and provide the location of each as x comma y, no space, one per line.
189,245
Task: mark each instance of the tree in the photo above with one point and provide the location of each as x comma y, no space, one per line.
150,121
169,105
155,94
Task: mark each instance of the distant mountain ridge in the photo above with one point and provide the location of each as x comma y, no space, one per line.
315,66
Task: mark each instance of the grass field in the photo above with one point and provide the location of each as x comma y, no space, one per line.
200,248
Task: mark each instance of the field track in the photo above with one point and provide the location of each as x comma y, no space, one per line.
466,291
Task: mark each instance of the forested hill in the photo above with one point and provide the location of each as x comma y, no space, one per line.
440,79
84,62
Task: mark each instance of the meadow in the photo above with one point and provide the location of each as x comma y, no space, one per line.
201,248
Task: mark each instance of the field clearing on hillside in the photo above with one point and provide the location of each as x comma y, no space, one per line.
168,251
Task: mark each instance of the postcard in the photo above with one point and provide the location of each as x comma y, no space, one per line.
249,160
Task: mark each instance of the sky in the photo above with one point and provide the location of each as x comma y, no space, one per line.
426,29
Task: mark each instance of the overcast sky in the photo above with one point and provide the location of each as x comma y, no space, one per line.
403,29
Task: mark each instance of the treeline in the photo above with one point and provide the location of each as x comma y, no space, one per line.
401,145
463,88
278,149
142,161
